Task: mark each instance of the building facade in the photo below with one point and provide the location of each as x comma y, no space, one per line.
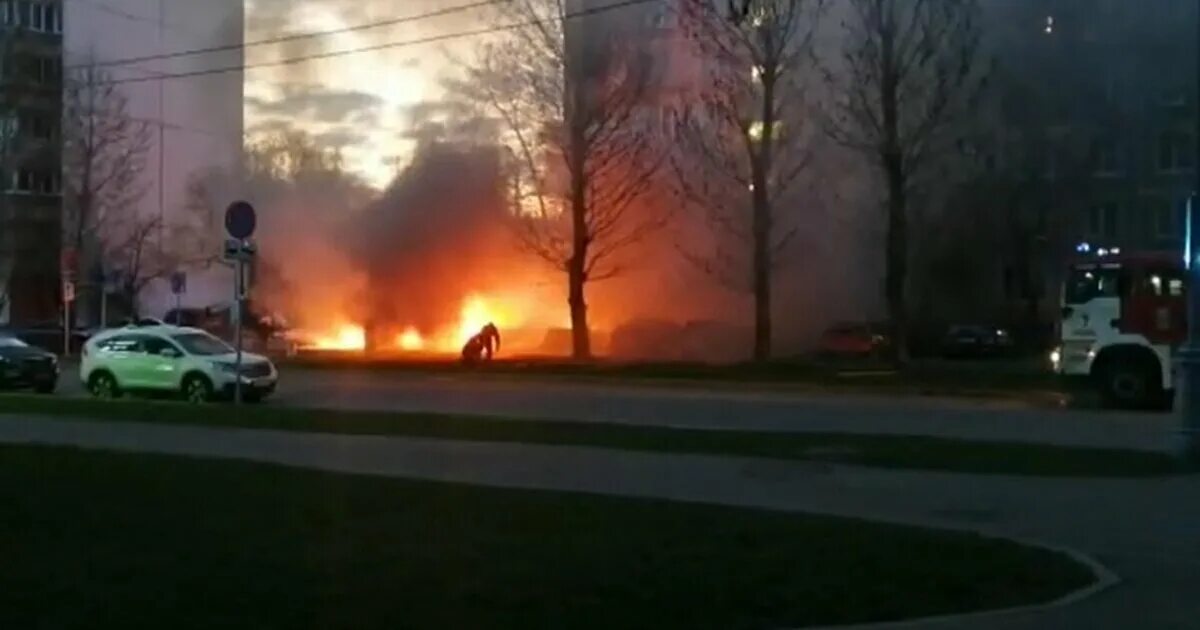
1115,87
31,72
1085,132
191,102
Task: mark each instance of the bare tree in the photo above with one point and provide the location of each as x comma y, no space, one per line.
907,70
746,145
277,172
132,246
104,158
568,88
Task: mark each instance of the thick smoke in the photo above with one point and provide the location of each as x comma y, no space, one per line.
436,235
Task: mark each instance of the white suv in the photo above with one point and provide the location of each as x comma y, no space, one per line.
171,359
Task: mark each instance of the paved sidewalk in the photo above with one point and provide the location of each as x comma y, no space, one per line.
1144,529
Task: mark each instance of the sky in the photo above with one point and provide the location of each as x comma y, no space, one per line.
362,103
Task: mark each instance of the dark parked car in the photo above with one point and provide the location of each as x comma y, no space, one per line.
854,340
202,318
963,341
23,366
48,336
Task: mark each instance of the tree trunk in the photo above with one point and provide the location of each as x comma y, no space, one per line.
581,343
894,170
897,259
761,165
762,280
575,110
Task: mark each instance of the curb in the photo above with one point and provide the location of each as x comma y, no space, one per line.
1105,579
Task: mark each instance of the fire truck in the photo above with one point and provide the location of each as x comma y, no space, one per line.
1123,319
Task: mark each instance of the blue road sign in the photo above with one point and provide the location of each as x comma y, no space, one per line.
240,220
179,283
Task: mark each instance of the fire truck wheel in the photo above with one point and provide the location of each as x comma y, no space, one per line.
1130,384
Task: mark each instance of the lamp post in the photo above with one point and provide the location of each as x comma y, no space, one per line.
1189,355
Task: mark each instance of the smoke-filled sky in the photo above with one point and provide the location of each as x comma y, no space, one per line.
367,105
360,103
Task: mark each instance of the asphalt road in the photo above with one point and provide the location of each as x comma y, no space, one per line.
714,408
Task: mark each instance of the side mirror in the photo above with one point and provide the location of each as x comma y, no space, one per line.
169,353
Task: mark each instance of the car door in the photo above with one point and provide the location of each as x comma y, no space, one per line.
160,366
121,356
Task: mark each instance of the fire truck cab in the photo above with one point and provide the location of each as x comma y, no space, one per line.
1123,318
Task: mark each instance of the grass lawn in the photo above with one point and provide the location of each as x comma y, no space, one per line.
865,450
116,541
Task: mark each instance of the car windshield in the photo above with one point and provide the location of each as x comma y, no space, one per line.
1090,282
12,342
202,344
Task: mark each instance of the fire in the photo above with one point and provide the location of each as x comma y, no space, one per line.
410,340
508,311
478,312
344,337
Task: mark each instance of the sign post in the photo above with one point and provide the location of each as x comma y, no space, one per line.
240,221
68,296
67,265
178,288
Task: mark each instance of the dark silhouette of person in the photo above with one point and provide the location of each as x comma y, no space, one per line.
491,340
482,346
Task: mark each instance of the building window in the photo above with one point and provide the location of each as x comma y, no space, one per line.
1175,151
37,17
34,182
40,17
1168,219
1105,158
45,70
38,126
10,126
1102,221
54,18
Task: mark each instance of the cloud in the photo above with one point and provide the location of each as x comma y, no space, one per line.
340,138
270,127
317,103
366,118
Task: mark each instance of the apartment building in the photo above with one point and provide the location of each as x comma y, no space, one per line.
31,73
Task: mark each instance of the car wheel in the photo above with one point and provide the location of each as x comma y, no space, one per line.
1130,385
45,388
197,389
102,385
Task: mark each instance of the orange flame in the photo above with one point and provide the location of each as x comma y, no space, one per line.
343,337
506,311
410,340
